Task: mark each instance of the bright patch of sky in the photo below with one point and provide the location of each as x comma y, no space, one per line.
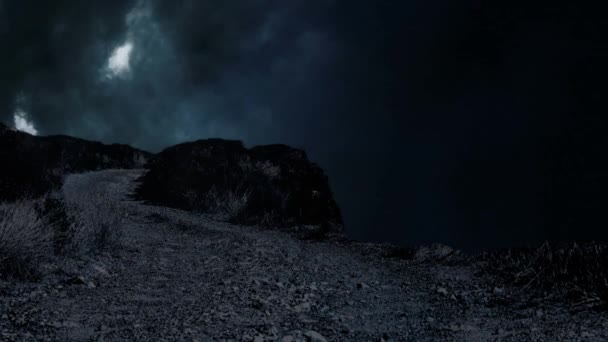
22,123
119,62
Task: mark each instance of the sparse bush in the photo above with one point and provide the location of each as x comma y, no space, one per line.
139,160
235,203
25,239
267,168
246,164
228,205
56,216
95,224
579,269
32,230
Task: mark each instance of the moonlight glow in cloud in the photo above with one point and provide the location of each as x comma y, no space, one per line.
22,123
119,61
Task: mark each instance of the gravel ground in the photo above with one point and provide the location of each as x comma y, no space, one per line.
185,277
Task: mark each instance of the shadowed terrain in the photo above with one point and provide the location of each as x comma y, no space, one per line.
214,241
177,275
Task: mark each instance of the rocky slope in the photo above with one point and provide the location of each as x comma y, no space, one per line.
33,165
185,277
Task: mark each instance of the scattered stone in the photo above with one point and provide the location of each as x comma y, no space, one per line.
302,307
78,280
586,334
442,290
101,270
70,324
314,336
461,327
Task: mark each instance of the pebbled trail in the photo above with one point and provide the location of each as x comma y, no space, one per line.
185,277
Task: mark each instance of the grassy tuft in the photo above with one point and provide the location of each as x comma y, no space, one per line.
25,239
227,205
34,230
96,224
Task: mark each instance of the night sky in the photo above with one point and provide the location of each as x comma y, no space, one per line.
472,123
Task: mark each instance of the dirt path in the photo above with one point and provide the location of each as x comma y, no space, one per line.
183,277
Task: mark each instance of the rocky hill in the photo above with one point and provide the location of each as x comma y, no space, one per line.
33,165
273,185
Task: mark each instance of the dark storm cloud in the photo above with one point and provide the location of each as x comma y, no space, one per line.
198,68
51,46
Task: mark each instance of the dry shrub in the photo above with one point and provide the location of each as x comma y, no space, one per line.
579,269
228,205
267,168
25,239
96,224
33,230
437,253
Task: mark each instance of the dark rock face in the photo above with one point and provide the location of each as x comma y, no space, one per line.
31,166
268,185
